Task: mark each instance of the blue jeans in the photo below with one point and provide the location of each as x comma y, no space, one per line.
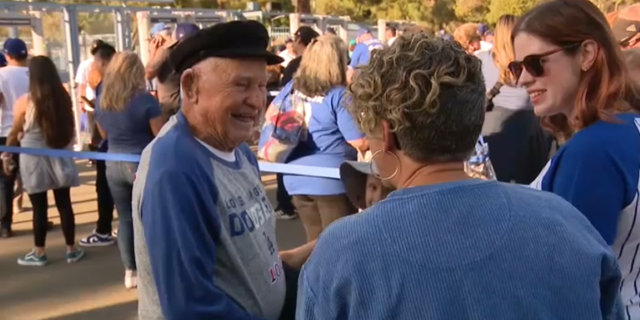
120,176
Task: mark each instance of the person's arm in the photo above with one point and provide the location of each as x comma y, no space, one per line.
152,69
297,257
19,115
152,111
356,60
347,125
181,228
591,176
81,80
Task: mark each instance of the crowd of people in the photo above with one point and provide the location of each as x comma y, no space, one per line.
487,174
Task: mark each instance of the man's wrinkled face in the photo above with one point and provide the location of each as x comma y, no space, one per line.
224,99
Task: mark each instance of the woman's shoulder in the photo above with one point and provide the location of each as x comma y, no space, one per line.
618,131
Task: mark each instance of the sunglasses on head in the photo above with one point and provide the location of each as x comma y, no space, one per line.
533,63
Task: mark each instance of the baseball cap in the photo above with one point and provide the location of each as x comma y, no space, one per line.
624,30
95,45
353,175
15,47
305,34
3,60
185,30
363,31
482,29
159,27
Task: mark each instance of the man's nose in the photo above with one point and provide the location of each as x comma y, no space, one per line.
257,98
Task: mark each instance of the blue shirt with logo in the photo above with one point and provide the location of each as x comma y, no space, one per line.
330,126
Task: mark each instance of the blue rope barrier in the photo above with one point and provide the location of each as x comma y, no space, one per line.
321,172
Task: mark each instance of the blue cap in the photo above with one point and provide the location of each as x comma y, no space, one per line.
482,29
15,47
3,60
159,27
185,29
363,31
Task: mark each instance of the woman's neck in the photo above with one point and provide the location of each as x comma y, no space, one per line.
435,174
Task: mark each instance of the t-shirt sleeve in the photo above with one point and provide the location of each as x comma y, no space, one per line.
346,124
181,226
596,177
149,106
358,55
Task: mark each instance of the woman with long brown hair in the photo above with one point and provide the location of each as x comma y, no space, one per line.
129,117
517,145
569,62
45,118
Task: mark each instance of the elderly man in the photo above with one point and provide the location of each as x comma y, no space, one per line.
204,228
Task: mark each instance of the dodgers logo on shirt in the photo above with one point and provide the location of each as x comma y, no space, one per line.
251,218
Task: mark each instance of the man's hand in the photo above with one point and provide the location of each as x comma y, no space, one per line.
155,44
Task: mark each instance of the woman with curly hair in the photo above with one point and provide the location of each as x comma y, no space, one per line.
444,245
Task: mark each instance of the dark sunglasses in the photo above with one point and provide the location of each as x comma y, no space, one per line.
533,63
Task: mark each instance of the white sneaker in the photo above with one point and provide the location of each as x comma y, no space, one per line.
130,279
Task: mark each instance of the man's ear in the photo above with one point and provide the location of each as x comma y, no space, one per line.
189,86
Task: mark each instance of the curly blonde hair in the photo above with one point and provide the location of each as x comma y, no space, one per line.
323,66
123,78
430,92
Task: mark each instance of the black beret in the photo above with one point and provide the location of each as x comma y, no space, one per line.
234,39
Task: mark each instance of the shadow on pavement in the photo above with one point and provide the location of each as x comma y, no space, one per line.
123,311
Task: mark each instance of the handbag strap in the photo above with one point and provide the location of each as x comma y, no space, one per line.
492,94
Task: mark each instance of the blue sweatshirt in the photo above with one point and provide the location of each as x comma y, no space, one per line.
464,250
597,170
205,233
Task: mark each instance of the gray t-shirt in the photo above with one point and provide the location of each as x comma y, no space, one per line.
204,232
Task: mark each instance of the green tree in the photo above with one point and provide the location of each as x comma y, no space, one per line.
471,10
497,8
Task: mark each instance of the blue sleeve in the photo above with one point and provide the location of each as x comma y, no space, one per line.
307,303
181,226
283,93
149,106
597,176
347,126
358,55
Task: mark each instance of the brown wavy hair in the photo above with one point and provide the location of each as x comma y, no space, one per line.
606,88
429,90
53,109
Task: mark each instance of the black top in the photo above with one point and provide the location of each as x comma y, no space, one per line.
291,68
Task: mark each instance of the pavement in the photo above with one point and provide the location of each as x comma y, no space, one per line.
93,288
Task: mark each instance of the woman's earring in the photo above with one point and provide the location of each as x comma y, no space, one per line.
377,175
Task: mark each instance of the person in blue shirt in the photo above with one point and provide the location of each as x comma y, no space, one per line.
332,137
444,245
204,228
362,52
129,117
579,83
